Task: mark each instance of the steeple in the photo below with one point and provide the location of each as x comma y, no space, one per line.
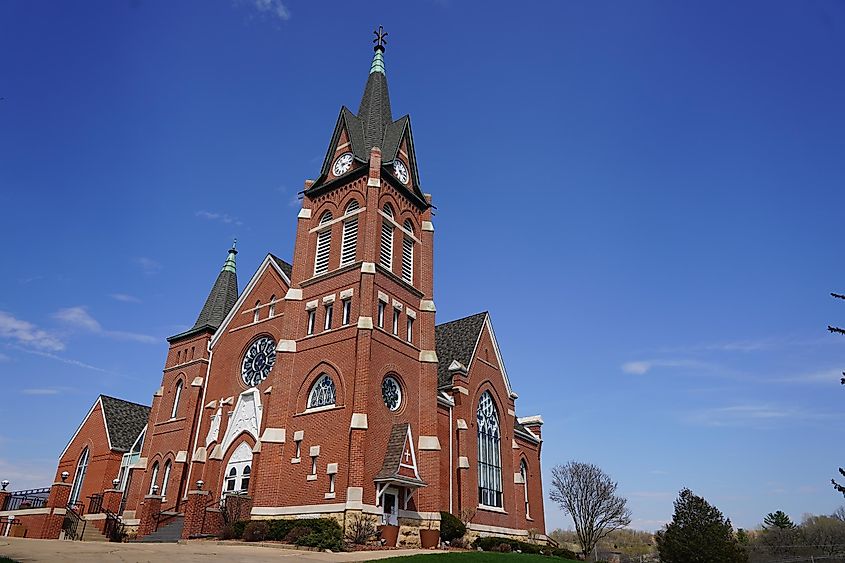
374,110
222,298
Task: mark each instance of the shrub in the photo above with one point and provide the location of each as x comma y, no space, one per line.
256,531
451,528
296,533
233,530
503,548
361,529
493,543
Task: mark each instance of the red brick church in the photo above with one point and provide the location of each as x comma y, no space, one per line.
325,386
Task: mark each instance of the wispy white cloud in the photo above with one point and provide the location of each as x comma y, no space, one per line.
68,361
22,332
147,265
273,8
222,217
641,367
756,416
79,317
41,391
124,297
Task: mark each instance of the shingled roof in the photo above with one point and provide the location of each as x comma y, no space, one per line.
393,457
124,421
286,268
456,340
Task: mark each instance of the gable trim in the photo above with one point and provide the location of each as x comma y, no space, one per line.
84,420
268,262
504,372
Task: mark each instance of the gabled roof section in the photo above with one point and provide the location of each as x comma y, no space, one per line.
400,437
220,300
124,421
456,341
270,261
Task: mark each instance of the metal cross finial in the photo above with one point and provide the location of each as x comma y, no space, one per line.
234,243
381,38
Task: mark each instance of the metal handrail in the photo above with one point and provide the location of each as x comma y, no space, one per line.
95,503
211,502
171,513
72,521
34,498
113,528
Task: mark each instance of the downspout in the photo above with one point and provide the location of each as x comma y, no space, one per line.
451,466
200,408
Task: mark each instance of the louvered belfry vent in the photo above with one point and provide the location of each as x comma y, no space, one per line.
349,244
386,253
408,254
324,245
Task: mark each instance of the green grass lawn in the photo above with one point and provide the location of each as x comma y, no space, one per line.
481,557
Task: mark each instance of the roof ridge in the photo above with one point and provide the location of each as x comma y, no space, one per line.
485,312
125,401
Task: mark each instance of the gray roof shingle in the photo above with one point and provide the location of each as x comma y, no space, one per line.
456,340
286,268
124,421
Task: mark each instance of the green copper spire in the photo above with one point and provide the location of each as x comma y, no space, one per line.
378,58
229,265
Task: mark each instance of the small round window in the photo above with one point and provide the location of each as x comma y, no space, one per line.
391,392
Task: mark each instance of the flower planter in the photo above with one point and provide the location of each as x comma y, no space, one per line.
389,534
429,538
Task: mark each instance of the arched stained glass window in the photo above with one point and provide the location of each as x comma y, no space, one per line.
523,469
166,479
489,453
231,479
79,476
245,478
177,394
322,393
154,478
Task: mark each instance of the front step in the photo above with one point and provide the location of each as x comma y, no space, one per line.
169,533
92,533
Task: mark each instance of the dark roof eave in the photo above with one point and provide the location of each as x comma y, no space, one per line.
526,436
192,332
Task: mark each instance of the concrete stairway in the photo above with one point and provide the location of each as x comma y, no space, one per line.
169,533
92,533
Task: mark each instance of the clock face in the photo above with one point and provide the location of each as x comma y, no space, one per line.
258,361
400,171
342,164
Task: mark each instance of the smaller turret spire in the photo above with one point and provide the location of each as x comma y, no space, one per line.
229,265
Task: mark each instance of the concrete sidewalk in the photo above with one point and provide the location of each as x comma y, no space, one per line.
29,550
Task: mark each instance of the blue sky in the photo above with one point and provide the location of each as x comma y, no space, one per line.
646,196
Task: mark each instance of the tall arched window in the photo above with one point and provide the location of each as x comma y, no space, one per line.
79,476
324,246
322,393
272,306
349,244
166,479
523,469
408,253
256,312
386,252
489,454
155,477
177,394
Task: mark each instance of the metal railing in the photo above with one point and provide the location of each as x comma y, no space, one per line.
21,500
95,503
74,524
211,504
113,527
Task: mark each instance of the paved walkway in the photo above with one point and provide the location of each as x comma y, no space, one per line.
28,550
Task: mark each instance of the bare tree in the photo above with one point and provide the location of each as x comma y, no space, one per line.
589,495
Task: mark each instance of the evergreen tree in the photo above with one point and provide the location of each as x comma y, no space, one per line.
698,533
778,520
